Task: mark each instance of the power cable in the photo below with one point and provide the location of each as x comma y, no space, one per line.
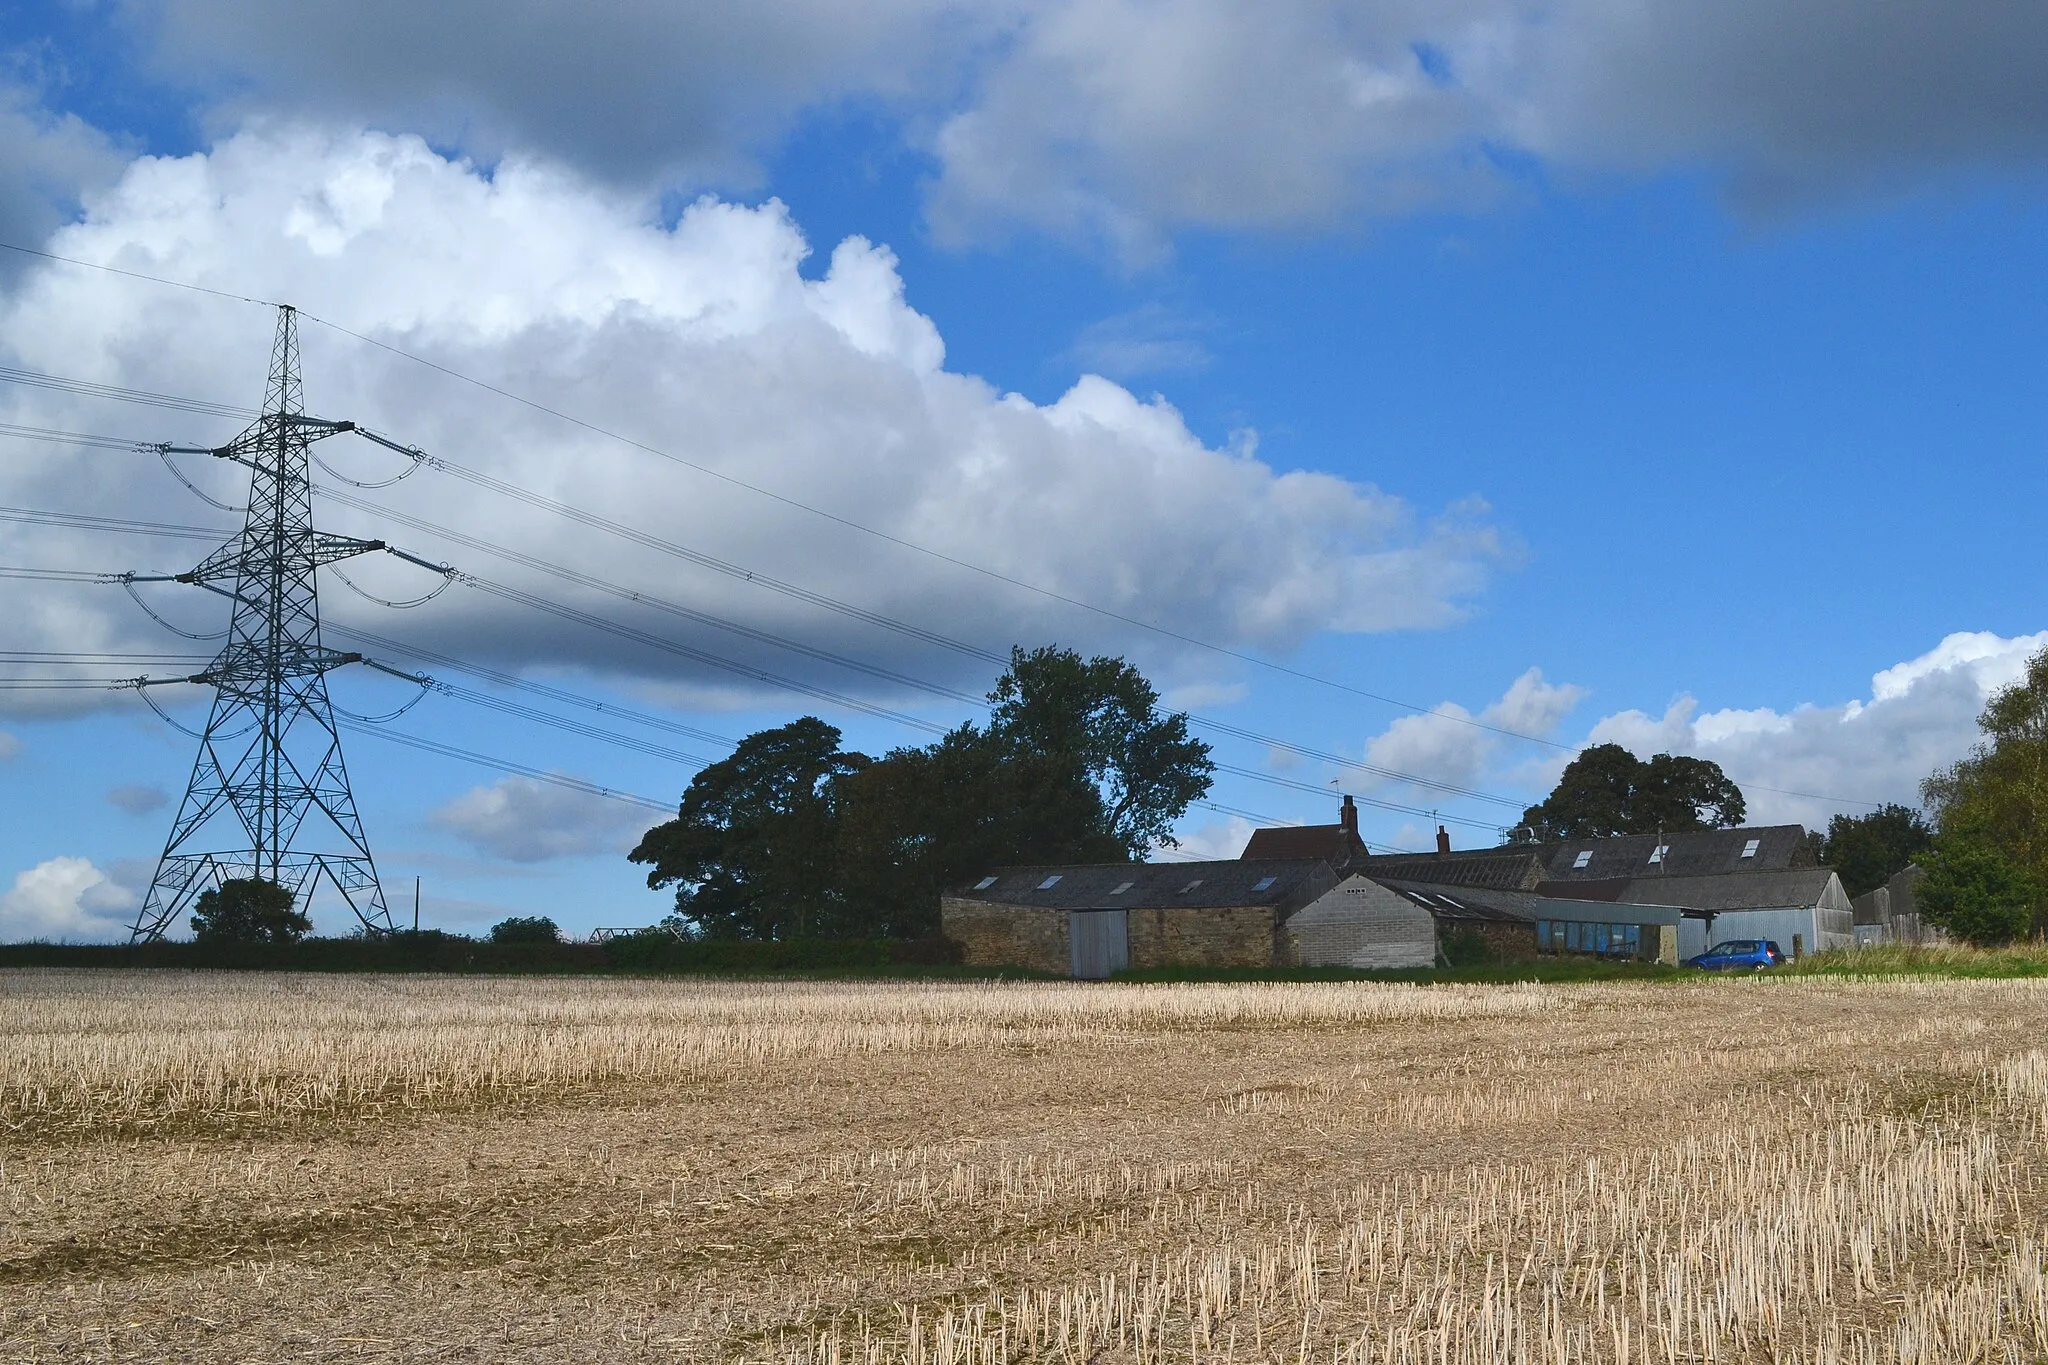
818,599
513,681
35,517
507,766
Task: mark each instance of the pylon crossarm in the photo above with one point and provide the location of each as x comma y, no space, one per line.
329,548
420,678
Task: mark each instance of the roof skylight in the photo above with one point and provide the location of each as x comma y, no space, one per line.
985,883
1120,888
1657,854
1191,886
1585,856
1264,883
1050,882
1749,849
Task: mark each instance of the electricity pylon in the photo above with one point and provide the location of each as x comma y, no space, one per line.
269,795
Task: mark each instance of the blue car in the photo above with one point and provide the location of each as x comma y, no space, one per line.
1738,955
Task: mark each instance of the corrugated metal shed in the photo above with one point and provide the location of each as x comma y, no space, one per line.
1463,902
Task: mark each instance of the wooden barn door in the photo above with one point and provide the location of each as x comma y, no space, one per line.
1101,942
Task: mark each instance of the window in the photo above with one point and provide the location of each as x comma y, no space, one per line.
1749,849
985,883
1264,883
1120,888
1657,854
1579,863
1191,886
1050,882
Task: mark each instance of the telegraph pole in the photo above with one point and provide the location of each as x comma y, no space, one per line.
269,795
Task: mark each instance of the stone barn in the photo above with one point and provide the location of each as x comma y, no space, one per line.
1091,921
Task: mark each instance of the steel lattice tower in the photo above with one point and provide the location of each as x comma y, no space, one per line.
269,795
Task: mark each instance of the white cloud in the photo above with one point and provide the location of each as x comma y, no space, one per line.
1123,120
1921,715
1151,339
1445,746
67,899
47,161
137,799
524,821
1214,840
705,340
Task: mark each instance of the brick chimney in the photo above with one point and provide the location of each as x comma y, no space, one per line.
1443,840
1348,818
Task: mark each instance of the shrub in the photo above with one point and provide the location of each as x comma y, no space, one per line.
526,929
248,910
1978,893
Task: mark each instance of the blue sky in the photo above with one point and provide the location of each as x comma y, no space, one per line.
1710,394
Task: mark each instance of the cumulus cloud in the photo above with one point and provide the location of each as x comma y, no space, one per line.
634,91
703,339
47,162
1445,745
1122,120
524,821
1841,758
66,899
137,800
1215,839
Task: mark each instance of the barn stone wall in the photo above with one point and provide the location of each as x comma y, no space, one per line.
1007,935
1207,936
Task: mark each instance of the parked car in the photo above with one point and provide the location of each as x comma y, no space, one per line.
1739,955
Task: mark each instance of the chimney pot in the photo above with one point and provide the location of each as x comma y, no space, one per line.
1443,840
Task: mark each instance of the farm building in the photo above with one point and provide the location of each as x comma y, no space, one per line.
1548,868
1092,920
1338,845
1890,914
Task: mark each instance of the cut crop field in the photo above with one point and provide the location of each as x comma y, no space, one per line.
230,1167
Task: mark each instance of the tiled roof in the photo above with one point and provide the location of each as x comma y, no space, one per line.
1332,843
1282,883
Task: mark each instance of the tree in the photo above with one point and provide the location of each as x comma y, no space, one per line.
920,820
1997,794
1103,717
1867,850
248,910
751,851
1607,790
526,929
1978,892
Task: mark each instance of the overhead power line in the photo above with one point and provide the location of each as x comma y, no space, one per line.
726,567
848,522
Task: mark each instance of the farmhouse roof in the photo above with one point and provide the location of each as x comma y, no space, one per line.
1770,890
1282,883
1616,860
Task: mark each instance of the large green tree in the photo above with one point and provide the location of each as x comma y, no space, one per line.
248,910
752,849
920,820
1866,850
1607,790
1102,716
794,836
1987,875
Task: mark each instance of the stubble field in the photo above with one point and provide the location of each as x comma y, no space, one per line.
252,1167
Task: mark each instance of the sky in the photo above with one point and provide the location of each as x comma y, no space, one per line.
1421,392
